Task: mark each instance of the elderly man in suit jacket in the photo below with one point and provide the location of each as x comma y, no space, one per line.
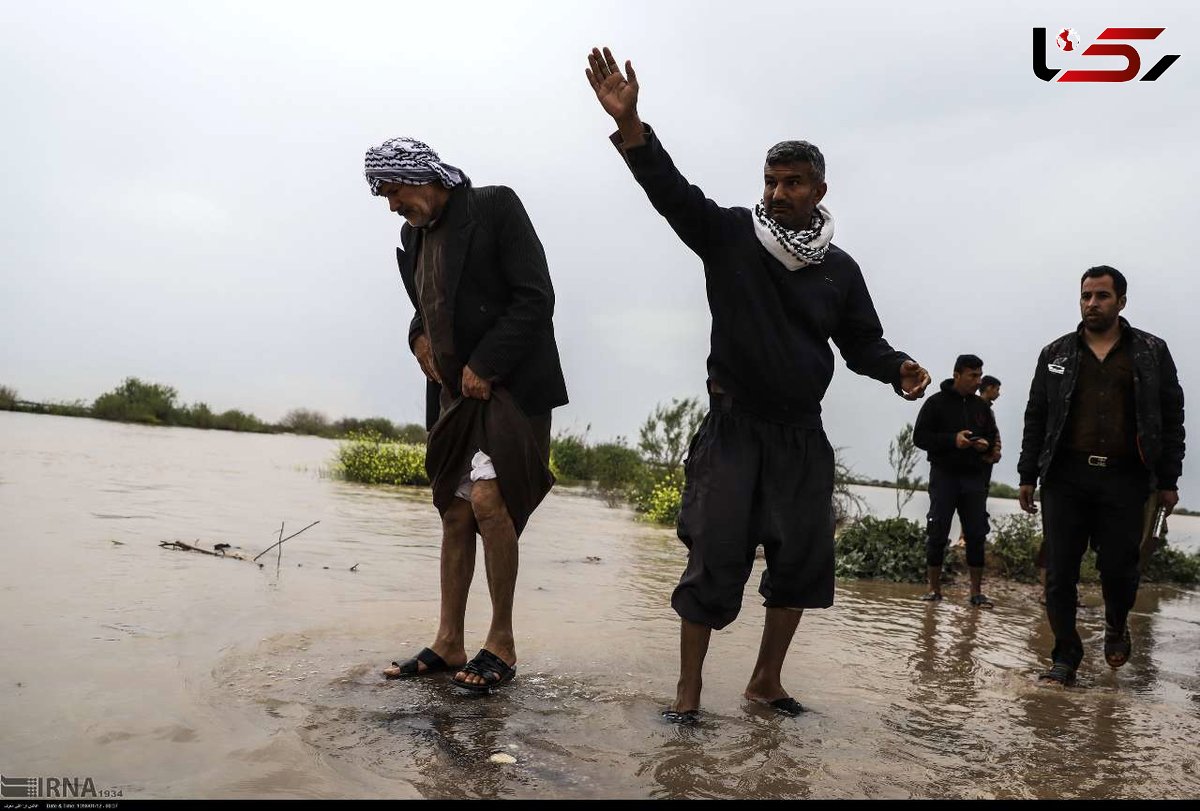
476,274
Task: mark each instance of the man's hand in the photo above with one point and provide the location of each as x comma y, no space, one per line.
1026,498
474,386
913,380
993,457
424,353
616,94
960,439
1168,499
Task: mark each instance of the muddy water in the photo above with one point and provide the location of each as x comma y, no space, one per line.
168,674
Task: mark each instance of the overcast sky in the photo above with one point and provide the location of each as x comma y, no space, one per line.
183,200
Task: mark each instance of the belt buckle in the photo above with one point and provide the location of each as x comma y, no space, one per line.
1098,461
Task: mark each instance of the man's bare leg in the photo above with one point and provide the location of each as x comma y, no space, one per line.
457,571
693,646
500,559
778,630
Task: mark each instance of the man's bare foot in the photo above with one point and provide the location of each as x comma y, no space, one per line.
503,649
770,693
687,698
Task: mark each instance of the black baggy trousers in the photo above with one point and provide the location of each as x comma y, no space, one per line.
752,481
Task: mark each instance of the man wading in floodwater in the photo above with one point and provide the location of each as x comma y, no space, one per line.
760,469
482,333
1103,429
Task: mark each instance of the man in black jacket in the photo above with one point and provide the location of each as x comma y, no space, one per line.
1103,429
476,274
957,428
760,469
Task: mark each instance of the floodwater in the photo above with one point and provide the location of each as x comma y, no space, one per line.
159,673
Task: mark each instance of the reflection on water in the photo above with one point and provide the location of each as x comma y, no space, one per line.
170,674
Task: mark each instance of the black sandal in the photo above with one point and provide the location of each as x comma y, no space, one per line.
684,718
1117,646
491,668
932,597
412,667
786,706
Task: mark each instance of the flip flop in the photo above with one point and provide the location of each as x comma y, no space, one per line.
931,597
786,706
1061,673
411,667
1117,646
685,718
491,668
981,601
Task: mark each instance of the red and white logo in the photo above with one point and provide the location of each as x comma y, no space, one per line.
1068,40
1112,42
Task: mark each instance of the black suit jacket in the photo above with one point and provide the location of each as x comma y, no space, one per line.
498,289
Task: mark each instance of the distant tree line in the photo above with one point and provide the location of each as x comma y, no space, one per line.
145,403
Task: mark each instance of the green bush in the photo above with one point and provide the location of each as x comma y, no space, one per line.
1002,490
309,421
198,415
1170,565
661,502
370,459
8,398
614,466
883,549
136,401
666,433
572,457
234,420
75,408
1015,542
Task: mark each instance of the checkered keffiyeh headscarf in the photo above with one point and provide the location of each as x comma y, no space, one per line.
795,249
409,161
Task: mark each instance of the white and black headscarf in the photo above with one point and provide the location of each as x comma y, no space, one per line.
795,249
409,161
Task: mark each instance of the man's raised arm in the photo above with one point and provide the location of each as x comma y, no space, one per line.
696,219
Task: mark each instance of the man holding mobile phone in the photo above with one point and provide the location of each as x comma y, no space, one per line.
958,430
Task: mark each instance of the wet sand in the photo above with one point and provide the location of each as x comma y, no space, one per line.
169,674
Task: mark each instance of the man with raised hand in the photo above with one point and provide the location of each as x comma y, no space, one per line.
760,469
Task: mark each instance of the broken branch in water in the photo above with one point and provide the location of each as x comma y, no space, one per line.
283,540
187,547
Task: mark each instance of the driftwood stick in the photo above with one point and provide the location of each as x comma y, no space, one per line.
283,540
186,547
181,546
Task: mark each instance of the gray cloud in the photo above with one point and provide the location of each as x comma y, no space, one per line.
183,197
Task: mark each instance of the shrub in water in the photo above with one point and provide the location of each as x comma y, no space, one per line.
885,549
370,459
1015,542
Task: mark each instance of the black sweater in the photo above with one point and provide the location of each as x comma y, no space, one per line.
500,297
770,326
945,414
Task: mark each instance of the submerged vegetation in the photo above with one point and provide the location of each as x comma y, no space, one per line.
144,403
371,458
894,549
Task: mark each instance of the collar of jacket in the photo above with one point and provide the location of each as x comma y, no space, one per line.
947,388
1127,332
458,218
